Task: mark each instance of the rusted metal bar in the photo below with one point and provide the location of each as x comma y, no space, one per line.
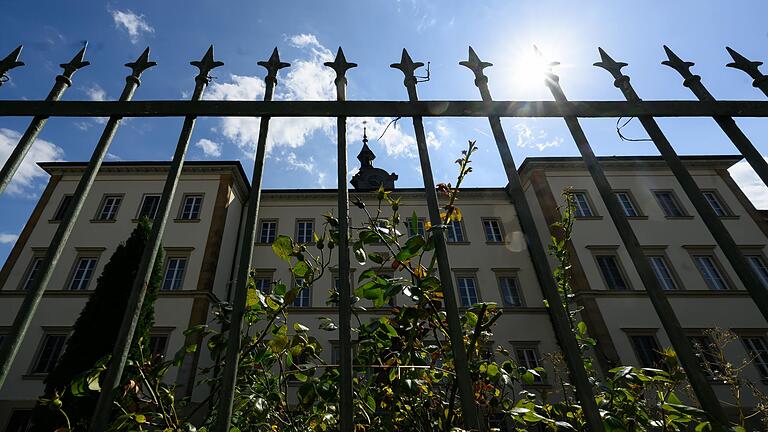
111,383
463,378
438,108
559,316
698,380
726,123
346,406
9,62
63,82
229,377
724,239
12,341
653,287
751,68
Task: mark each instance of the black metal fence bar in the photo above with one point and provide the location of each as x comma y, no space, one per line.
111,383
24,316
463,378
669,321
437,108
346,394
229,377
726,123
558,315
732,252
749,67
9,62
63,82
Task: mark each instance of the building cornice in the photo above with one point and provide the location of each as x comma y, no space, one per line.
713,162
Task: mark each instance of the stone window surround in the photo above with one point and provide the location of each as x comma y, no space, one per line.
614,251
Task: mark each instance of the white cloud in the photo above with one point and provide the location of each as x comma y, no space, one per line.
535,139
113,157
96,93
25,180
396,142
134,24
302,40
750,183
6,238
209,147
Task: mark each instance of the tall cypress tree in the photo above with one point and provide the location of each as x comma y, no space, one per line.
96,329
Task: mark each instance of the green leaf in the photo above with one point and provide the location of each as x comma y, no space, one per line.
327,324
301,269
414,223
582,326
283,247
300,328
370,402
359,253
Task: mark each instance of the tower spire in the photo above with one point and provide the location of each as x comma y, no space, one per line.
369,177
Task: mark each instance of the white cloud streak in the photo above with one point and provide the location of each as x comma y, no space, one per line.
535,139
743,174
132,23
8,238
209,148
25,181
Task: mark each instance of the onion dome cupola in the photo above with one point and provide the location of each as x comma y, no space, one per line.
369,177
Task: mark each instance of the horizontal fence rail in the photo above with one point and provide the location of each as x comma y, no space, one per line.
722,112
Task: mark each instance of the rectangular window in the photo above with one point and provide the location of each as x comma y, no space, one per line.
510,293
174,274
493,232
268,231
149,206
758,265
82,273
662,272
62,208
304,297
528,357
455,232
190,209
609,267
629,207
50,350
757,348
710,272
419,227
669,204
304,230
467,290
581,204
335,353
158,344
705,350
717,205
647,350
109,208
263,284
34,268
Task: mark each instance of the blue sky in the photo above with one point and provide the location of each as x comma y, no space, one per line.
372,34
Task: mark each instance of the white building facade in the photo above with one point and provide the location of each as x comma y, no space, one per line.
488,254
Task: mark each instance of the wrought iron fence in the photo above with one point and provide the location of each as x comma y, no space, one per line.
722,112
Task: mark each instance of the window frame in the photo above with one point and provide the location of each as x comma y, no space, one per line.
652,333
471,275
761,274
61,210
296,230
184,198
296,284
727,212
533,346
761,368
73,271
141,205
421,222
684,214
710,253
100,210
590,206
462,228
659,253
164,332
37,257
633,203
48,332
168,258
513,275
613,252
261,230
264,274
502,234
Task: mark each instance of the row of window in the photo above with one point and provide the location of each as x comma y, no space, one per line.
667,200
648,351
706,263
494,232
82,273
110,205
51,347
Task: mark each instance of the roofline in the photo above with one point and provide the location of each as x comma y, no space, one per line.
648,161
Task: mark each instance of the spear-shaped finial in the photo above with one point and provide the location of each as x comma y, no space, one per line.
141,64
9,62
676,63
273,64
206,65
609,64
742,63
476,65
340,64
407,66
76,63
